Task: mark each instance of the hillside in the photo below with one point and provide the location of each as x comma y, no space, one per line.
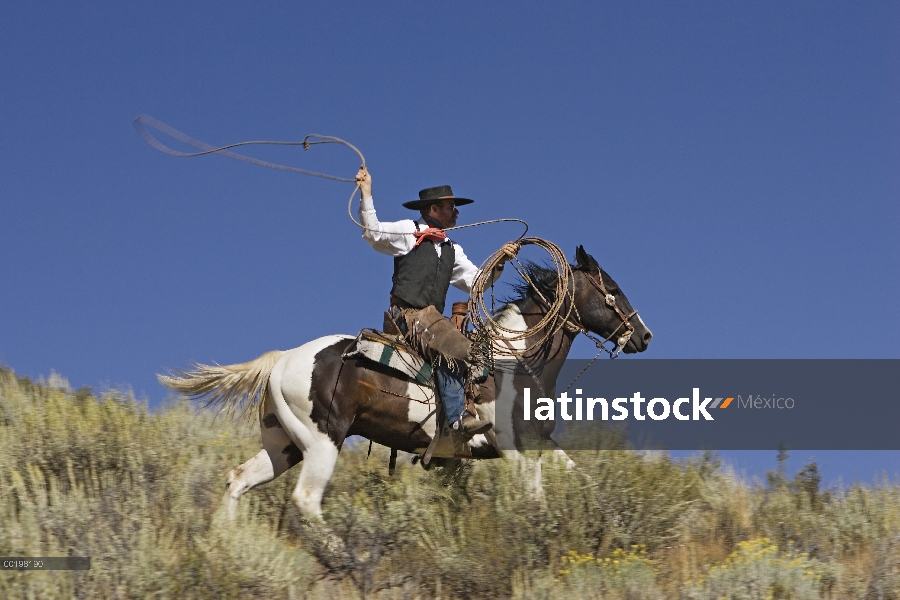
139,491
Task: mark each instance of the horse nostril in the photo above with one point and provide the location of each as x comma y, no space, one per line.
647,337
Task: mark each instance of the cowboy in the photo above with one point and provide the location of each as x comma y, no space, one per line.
426,263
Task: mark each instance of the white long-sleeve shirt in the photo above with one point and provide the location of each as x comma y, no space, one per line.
395,239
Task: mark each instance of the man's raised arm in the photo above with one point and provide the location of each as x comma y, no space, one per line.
394,238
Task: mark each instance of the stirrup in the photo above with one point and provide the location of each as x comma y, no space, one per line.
473,427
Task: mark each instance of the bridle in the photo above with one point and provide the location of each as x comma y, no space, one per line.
575,326
611,302
578,327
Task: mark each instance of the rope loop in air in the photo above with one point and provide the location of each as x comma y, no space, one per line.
144,121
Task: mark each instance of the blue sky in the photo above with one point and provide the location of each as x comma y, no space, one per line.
735,166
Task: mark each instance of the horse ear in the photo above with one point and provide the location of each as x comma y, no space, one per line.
580,257
585,261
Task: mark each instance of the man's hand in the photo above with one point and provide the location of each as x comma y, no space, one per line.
510,250
364,181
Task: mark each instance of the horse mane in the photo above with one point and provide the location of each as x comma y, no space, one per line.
543,280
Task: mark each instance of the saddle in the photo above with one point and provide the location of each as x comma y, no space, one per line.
406,356
393,352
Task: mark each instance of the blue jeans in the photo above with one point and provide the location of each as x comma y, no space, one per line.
453,395
449,382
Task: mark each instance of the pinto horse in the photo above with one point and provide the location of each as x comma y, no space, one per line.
311,398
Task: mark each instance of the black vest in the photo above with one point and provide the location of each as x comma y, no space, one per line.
421,277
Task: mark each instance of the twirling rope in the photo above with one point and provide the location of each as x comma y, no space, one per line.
143,121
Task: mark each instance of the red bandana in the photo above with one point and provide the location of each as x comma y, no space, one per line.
432,233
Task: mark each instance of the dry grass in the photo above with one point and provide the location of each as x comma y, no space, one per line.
139,492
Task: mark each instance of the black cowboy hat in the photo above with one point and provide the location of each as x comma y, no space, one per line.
433,195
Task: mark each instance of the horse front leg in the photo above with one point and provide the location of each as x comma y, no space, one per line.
559,455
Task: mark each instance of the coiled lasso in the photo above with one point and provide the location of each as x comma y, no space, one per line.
557,316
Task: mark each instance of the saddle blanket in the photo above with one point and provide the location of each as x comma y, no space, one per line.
390,352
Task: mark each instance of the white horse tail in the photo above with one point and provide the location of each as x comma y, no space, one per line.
233,389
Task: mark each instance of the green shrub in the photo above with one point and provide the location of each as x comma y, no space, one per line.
757,570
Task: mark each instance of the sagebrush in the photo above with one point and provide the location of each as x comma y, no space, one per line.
138,491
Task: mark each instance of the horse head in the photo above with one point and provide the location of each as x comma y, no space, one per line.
603,309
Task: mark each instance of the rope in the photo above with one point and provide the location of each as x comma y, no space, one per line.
486,327
480,316
364,228
143,121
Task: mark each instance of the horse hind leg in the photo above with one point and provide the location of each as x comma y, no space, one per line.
308,375
279,454
317,469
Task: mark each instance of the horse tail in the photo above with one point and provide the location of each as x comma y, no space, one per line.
240,389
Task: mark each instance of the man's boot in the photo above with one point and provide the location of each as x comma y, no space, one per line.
469,425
